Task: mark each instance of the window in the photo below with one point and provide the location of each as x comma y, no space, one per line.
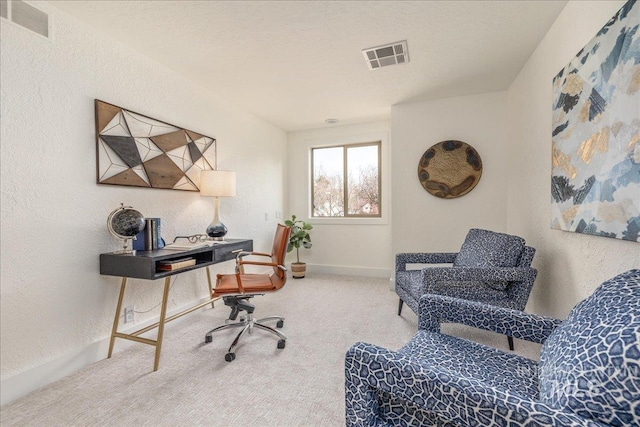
346,181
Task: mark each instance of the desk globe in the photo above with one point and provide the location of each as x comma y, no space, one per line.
125,223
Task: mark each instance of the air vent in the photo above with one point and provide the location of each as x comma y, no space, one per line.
25,15
389,54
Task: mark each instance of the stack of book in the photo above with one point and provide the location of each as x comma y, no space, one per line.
151,234
176,264
150,238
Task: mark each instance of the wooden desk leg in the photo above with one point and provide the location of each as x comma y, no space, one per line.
210,285
116,320
163,315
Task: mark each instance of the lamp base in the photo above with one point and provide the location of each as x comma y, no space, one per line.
217,231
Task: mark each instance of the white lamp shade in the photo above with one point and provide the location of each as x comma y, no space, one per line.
218,183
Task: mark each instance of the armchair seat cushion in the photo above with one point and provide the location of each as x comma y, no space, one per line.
466,361
471,290
411,282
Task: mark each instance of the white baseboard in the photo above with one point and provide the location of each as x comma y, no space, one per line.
349,271
25,382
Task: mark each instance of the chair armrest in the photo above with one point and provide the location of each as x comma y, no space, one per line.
260,254
502,274
267,264
240,262
424,258
436,309
245,253
434,389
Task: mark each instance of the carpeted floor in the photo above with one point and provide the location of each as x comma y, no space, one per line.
301,385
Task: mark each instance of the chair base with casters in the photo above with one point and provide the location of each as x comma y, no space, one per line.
238,304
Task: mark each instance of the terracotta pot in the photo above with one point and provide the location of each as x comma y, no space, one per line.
298,269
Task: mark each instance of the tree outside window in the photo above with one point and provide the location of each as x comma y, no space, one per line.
346,180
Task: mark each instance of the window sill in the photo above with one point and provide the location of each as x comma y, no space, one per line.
348,221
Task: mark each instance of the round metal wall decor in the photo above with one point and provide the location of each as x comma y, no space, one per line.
450,169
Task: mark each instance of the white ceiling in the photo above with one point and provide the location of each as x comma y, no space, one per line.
297,63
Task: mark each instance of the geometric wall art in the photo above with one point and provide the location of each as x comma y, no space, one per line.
136,150
595,178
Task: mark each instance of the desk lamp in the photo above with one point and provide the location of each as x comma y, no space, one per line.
216,184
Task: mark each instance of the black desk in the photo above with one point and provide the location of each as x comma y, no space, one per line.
144,265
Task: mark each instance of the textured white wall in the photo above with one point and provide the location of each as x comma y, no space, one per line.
425,223
570,265
53,300
343,246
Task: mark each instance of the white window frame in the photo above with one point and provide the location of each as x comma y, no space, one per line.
385,195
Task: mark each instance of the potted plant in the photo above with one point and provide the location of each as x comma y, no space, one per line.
299,238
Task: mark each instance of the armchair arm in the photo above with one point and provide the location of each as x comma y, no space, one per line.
438,393
424,258
435,309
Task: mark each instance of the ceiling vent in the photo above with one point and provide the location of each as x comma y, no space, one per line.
25,15
389,54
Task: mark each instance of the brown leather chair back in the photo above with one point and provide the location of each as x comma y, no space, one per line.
278,253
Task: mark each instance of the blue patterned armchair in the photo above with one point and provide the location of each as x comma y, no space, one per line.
588,374
493,268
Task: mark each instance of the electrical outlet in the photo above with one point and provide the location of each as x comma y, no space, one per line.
128,314
266,216
278,215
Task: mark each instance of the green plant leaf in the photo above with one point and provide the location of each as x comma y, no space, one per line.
299,235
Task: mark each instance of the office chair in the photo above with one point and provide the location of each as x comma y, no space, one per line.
240,287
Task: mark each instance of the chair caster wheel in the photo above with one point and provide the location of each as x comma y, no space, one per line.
281,343
280,324
208,338
230,357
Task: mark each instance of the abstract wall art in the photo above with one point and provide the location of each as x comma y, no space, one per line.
139,151
595,182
